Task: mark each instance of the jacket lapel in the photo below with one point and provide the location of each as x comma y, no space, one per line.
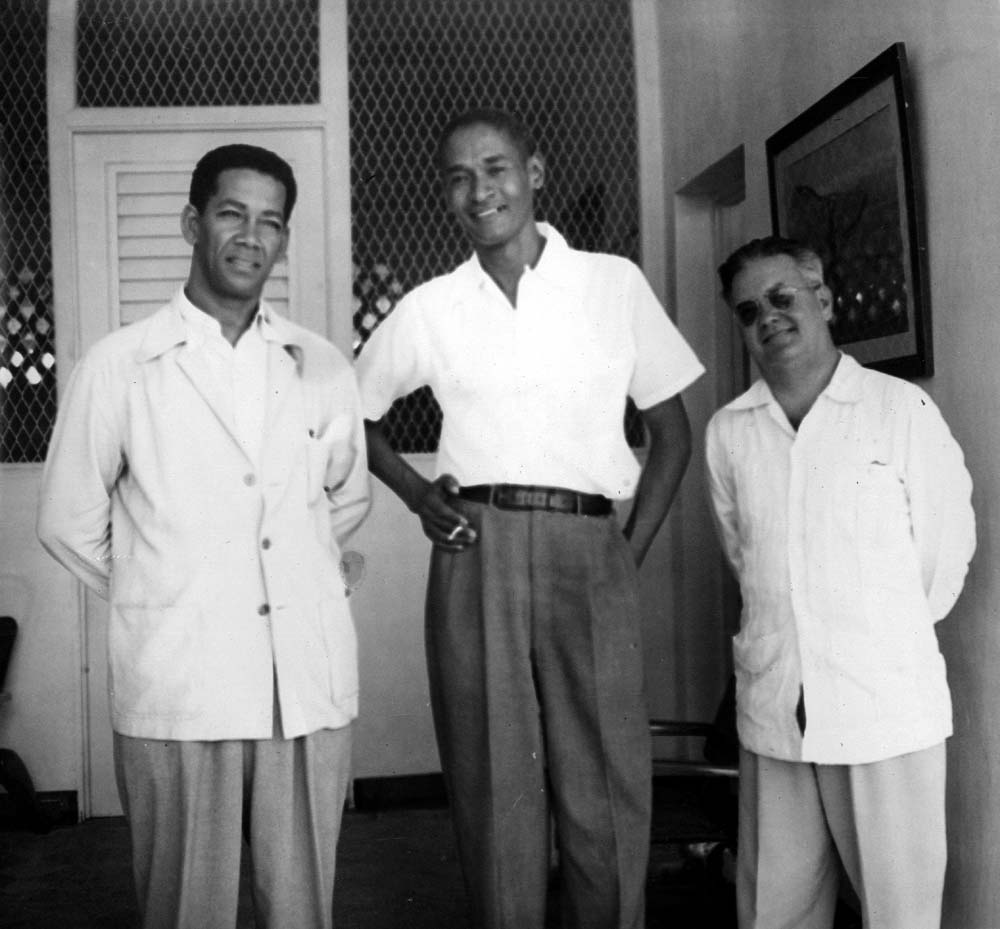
167,331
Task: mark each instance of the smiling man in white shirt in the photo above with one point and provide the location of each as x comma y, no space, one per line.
843,505
207,463
533,638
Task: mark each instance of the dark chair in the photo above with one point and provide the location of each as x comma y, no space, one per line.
695,800
14,775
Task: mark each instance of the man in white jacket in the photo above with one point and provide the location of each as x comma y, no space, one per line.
843,505
206,465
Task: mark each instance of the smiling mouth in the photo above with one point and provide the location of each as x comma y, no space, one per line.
485,214
776,334
245,263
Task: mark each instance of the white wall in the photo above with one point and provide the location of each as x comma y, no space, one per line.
733,73
42,720
394,733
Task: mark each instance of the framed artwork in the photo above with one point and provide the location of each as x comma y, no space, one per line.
844,177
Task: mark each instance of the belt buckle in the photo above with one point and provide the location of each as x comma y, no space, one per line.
538,499
564,501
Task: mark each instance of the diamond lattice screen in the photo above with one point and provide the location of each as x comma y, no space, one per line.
565,66
27,362
168,53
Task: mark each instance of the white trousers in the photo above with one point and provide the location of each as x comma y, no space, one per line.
885,822
191,806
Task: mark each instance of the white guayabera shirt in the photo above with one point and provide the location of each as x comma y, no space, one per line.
850,537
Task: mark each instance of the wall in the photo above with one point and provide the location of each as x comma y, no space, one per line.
43,718
394,733
735,72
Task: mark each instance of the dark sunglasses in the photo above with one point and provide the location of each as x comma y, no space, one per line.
780,298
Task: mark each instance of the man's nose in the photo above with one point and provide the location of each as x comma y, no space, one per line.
248,233
482,187
766,310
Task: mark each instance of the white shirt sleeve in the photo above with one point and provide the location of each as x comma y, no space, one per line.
81,468
346,484
392,362
940,491
665,363
722,492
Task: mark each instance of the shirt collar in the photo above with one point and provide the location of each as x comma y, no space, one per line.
846,384
845,387
180,322
556,263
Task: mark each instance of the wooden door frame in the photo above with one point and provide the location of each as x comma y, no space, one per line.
709,596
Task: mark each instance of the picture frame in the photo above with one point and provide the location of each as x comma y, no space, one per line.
844,176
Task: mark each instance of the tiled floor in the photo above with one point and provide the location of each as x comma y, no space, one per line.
397,870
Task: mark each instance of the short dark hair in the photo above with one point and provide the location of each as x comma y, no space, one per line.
205,179
768,247
510,125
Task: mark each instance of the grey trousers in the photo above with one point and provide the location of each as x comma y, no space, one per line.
885,821
535,664
192,805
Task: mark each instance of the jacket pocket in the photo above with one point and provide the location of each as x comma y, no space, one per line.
757,662
157,669
329,457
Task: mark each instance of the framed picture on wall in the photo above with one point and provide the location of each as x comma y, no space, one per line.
844,177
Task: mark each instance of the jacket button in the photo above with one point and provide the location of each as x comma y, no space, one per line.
264,609
249,480
266,544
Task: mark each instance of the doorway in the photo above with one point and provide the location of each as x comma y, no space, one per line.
708,226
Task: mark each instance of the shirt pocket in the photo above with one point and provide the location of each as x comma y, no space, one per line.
877,529
157,669
875,498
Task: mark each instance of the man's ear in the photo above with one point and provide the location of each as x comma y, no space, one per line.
825,297
189,224
286,234
536,171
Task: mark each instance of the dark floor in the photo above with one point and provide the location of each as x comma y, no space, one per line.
397,870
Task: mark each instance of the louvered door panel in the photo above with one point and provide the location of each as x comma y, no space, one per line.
152,258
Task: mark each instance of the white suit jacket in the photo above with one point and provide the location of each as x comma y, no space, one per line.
222,577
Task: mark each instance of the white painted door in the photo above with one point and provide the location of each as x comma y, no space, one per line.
129,189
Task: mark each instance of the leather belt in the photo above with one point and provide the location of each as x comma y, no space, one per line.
527,497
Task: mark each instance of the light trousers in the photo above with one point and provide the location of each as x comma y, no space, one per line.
885,821
536,673
191,806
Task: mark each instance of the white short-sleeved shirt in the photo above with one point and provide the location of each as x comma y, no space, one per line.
851,537
536,394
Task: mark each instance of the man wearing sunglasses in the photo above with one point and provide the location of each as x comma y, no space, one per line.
843,505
